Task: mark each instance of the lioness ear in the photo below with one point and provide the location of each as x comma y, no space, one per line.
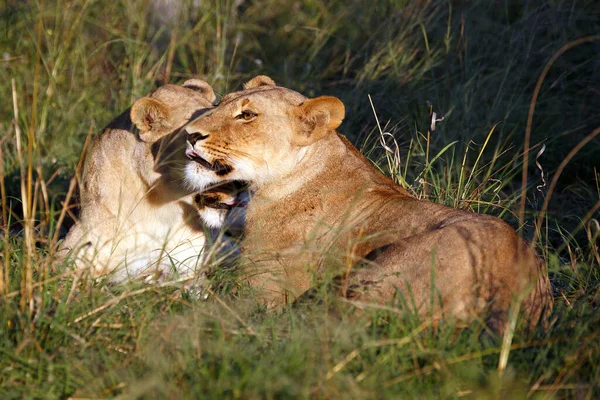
318,117
201,86
151,117
260,80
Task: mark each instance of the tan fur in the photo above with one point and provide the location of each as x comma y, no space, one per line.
321,208
137,217
260,80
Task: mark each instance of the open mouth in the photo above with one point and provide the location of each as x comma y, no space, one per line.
212,200
218,167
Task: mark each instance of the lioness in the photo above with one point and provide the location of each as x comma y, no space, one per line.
320,207
137,217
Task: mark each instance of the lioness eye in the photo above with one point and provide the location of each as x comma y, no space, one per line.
246,115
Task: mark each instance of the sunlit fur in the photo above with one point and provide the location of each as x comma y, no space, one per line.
320,208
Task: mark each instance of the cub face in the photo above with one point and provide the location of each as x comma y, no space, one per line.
257,135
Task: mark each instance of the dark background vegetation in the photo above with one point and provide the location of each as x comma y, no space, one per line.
78,64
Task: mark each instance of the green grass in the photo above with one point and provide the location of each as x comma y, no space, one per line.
475,63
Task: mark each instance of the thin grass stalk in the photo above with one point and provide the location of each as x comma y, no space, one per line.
581,224
536,94
473,356
24,265
509,334
557,174
427,147
433,160
3,189
592,239
232,312
235,47
219,42
27,177
53,278
41,270
70,191
45,196
490,166
547,244
397,342
474,167
461,177
170,56
34,201
116,300
4,277
392,156
137,54
64,50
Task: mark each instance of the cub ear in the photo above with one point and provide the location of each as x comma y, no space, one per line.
151,117
260,80
317,118
201,86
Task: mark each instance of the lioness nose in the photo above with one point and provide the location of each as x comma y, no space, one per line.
194,137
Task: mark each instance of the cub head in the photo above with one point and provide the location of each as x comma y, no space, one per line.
257,135
169,107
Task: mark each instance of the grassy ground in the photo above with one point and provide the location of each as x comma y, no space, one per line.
69,67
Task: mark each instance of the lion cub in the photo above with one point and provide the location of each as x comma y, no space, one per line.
320,208
137,217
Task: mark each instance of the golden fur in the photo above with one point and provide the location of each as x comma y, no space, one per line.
320,208
137,218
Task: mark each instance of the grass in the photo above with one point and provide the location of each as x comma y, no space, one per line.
75,65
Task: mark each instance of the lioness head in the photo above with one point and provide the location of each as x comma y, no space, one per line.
257,135
169,107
